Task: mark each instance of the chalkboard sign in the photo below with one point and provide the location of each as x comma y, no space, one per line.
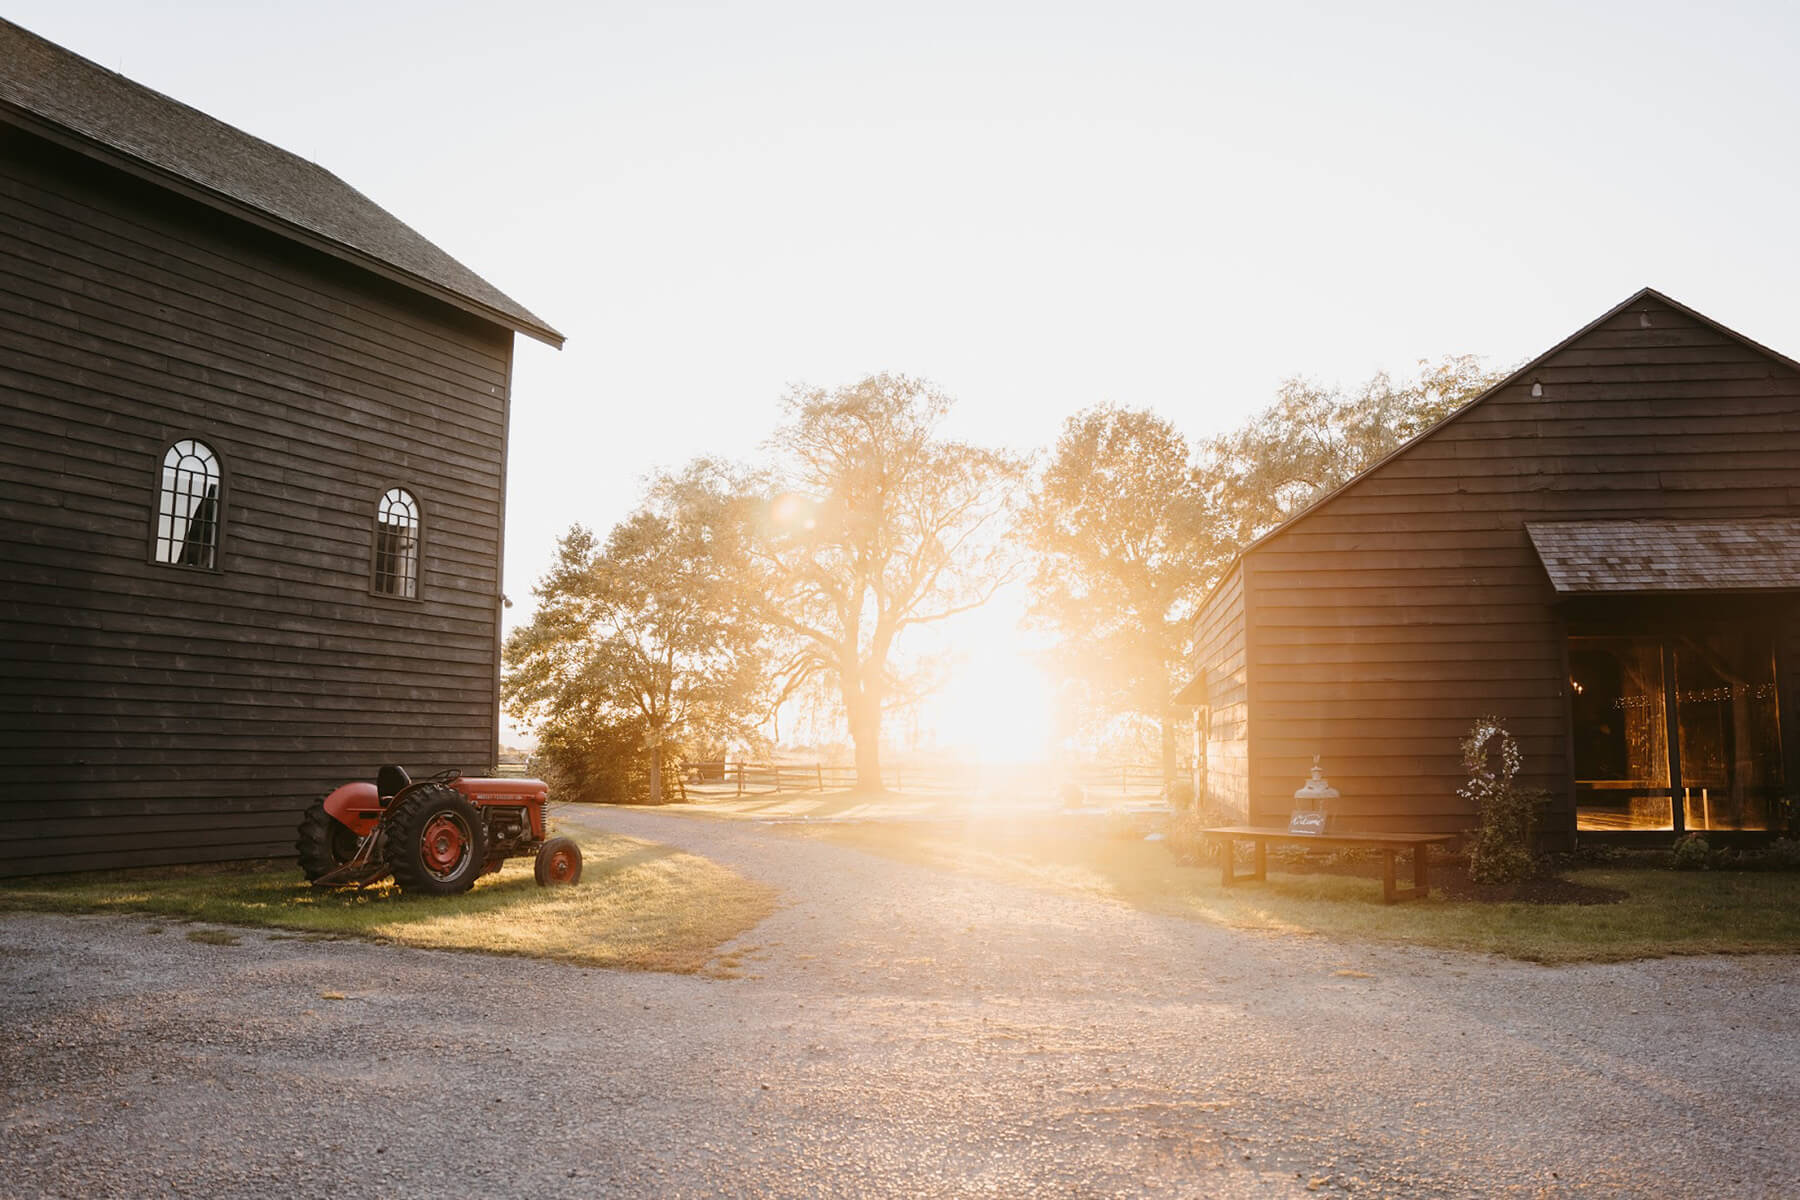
1306,820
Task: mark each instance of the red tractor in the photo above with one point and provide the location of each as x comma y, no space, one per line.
435,836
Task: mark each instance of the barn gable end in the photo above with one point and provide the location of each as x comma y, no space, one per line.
185,710
1385,618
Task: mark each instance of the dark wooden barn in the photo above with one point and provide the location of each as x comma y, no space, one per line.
1603,551
254,442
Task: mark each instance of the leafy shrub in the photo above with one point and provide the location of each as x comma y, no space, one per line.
1500,846
1782,854
1692,853
1594,854
1184,841
594,762
1183,837
1072,795
1179,793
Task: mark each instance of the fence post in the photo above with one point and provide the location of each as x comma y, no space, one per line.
820,768
740,774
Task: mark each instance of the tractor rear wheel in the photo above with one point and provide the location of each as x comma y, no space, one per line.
325,843
436,841
559,862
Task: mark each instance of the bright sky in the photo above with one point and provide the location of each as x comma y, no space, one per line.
1038,206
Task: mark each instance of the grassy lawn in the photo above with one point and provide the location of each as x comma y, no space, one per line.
1665,912
639,904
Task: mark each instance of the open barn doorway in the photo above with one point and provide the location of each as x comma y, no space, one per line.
1675,731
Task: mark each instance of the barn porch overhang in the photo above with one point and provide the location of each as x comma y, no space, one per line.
1625,558
1193,692
1682,648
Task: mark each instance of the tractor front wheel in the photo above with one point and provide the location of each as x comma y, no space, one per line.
559,862
436,842
325,843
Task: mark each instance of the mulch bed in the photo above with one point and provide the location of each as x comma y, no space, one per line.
1453,879
1450,877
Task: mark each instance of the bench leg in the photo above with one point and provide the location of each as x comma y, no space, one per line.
1228,873
1421,884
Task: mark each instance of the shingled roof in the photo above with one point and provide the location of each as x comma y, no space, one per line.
1611,557
56,93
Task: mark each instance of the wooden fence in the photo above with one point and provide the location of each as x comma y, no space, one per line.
716,779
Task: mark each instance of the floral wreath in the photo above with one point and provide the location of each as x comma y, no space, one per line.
1484,776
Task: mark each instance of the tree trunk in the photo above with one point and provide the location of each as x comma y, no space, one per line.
656,787
865,732
1168,746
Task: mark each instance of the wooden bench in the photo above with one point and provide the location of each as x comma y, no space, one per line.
1228,836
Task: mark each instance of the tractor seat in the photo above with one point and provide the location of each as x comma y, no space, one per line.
389,781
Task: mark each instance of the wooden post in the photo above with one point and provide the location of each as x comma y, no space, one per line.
740,774
820,768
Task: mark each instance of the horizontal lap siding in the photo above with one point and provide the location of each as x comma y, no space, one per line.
151,714
1385,622
1219,657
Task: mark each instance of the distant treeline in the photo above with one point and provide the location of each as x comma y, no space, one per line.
737,587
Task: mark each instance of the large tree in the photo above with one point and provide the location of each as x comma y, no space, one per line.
874,522
1314,438
1126,541
637,642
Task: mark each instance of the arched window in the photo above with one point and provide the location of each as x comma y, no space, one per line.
397,544
187,506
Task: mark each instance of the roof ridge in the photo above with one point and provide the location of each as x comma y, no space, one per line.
1324,498
1494,389
103,114
127,81
1446,419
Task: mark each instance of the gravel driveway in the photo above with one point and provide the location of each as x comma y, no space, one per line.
894,1030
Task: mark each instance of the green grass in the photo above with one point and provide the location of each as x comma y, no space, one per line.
1664,913
639,905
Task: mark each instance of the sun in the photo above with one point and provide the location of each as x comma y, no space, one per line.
997,709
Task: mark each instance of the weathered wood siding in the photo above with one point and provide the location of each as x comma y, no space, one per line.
1219,658
155,714
1386,620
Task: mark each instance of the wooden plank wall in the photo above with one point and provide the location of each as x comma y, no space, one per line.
1219,656
152,714
1388,619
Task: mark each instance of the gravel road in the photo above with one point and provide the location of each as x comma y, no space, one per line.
893,1030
